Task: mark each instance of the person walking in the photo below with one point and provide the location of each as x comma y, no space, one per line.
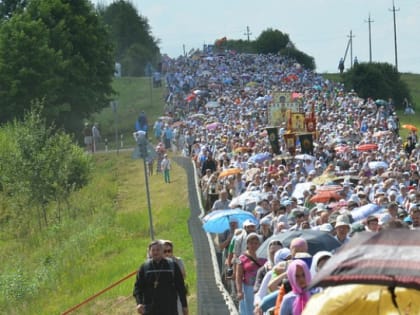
87,137
168,252
246,275
96,135
159,283
165,166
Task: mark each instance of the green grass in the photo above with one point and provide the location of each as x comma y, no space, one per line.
134,95
68,263
50,271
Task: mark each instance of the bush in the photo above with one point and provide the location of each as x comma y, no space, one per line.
378,81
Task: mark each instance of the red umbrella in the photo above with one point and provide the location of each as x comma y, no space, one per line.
190,97
367,147
325,196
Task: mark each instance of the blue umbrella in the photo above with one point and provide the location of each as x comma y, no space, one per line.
217,221
364,211
259,157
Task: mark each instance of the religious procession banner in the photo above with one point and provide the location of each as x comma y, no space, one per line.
273,137
290,140
306,144
283,102
298,122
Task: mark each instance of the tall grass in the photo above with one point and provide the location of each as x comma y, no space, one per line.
58,268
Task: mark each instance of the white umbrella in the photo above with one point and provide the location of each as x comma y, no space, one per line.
304,157
377,164
248,197
212,104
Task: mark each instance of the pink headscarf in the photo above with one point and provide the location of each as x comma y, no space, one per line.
302,296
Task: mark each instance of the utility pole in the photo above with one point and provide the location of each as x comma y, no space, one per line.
351,36
369,21
247,33
393,10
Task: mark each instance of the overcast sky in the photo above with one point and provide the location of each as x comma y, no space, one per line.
320,28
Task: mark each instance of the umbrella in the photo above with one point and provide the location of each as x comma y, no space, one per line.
317,241
410,127
324,178
296,95
339,179
242,149
381,102
377,164
212,104
213,125
190,97
230,171
367,147
300,188
338,205
391,174
217,221
325,196
329,188
382,133
342,149
389,258
165,118
304,157
198,115
248,197
259,157
363,299
364,211
178,123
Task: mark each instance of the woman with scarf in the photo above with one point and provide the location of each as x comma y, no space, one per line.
299,277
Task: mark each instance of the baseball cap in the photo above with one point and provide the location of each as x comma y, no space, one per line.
248,222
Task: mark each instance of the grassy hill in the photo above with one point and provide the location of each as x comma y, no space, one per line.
50,271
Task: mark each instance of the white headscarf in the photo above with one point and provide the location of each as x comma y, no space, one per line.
316,258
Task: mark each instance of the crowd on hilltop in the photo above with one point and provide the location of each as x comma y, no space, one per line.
217,112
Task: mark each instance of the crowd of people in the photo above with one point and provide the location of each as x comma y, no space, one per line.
217,111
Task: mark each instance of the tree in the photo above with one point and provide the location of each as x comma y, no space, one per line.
302,58
59,52
378,81
42,167
9,7
131,35
271,41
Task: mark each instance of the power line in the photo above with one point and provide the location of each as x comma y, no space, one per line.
350,44
369,21
393,10
247,33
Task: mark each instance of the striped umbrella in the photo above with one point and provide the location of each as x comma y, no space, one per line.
390,258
